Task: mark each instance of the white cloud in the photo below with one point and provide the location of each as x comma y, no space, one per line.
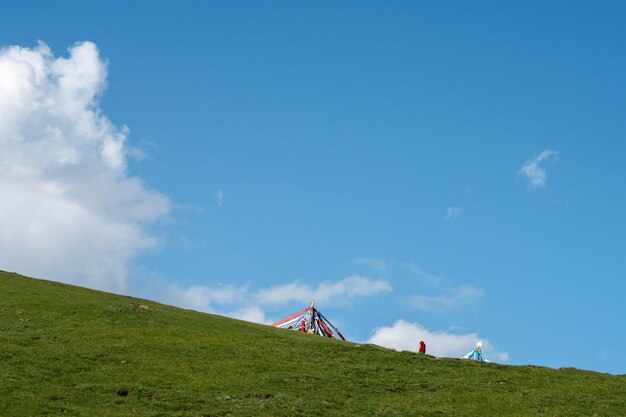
443,303
406,336
229,301
452,295
219,197
69,211
251,313
376,264
448,294
247,304
424,277
535,174
345,289
453,212
203,298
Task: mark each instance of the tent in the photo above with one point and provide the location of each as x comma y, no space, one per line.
476,354
310,320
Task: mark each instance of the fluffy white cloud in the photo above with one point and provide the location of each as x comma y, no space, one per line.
406,336
345,289
535,174
68,208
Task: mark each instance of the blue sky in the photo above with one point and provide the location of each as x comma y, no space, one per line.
452,171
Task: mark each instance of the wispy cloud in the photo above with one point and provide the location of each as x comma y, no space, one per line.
245,303
345,289
425,278
424,290
406,336
219,197
533,172
226,300
69,210
204,298
459,296
448,293
453,212
188,208
376,264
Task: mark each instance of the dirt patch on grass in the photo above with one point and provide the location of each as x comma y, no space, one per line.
123,392
248,397
303,378
262,397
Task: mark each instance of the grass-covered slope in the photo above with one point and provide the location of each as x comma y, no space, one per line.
70,351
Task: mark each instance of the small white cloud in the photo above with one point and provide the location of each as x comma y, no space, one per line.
424,277
253,313
340,291
453,212
219,197
441,304
201,298
376,264
535,174
406,336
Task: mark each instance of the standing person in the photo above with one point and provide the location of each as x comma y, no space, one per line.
422,347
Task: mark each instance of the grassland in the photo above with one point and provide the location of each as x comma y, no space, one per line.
70,351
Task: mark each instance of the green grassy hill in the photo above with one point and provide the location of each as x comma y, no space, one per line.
71,351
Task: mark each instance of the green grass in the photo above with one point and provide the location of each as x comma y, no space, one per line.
70,351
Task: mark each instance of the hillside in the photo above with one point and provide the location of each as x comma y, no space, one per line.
76,352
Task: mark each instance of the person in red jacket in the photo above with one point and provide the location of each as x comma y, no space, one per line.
422,347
